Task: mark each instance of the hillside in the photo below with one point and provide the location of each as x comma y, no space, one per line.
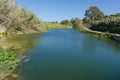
17,20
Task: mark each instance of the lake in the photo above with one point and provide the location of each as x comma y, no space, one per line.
66,54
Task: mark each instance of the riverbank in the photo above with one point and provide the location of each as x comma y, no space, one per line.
8,61
115,37
12,50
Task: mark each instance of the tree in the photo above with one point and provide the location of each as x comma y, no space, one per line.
17,19
91,15
94,13
107,24
65,22
77,23
86,22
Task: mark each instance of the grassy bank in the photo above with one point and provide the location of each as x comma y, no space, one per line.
96,34
101,35
8,61
50,26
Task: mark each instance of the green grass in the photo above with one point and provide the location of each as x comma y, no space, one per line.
50,26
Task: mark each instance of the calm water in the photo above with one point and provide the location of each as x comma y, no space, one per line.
69,55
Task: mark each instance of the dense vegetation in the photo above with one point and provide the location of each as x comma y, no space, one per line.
18,20
91,15
108,24
96,20
76,23
54,25
8,61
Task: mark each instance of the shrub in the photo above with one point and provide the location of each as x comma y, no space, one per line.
8,60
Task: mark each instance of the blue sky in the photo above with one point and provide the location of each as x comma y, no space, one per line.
57,10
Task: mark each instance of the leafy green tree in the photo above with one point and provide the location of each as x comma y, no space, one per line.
65,22
108,24
86,22
77,23
94,13
91,15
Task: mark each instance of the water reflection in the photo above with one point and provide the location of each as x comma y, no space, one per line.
27,41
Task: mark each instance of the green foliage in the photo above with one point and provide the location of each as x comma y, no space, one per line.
95,20
87,22
92,14
77,23
65,22
17,19
8,60
108,24
49,26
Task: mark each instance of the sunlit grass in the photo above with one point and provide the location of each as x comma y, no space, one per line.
50,26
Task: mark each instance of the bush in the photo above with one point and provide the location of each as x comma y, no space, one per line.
17,19
8,60
110,24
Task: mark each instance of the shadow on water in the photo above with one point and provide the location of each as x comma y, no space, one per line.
27,41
